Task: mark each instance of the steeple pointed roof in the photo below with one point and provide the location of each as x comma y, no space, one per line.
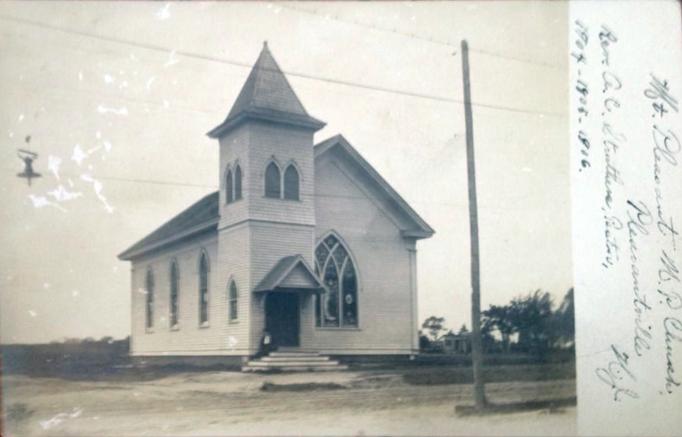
267,95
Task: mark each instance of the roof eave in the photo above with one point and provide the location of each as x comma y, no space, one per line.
306,122
418,234
424,230
269,285
130,253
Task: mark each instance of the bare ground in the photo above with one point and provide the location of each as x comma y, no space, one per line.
232,403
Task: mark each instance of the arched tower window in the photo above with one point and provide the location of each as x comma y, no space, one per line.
203,289
233,297
174,294
338,306
237,183
272,181
229,193
291,183
149,301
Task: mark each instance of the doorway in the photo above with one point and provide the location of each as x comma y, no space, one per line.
282,318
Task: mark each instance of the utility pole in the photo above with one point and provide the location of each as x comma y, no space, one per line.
476,343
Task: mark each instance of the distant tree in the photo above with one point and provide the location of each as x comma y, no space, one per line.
532,318
434,326
500,319
424,342
487,338
463,329
564,321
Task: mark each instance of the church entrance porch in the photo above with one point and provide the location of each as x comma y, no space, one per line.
282,318
285,287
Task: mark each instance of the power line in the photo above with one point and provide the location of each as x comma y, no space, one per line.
312,196
67,175
167,105
416,36
517,59
155,182
358,23
158,48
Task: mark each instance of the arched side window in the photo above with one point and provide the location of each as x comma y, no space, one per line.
272,181
291,189
149,299
174,294
203,289
229,193
338,306
233,298
237,183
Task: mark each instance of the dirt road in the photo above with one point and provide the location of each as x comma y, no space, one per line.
232,403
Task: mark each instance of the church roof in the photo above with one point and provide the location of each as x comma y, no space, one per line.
204,215
267,95
200,217
276,278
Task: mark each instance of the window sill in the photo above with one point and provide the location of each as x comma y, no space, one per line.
340,328
234,201
282,199
234,322
149,330
175,328
204,325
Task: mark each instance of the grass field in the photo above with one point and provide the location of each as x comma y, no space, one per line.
463,375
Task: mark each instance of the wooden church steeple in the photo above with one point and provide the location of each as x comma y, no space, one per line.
267,95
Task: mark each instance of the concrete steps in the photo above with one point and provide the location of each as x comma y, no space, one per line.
271,359
291,361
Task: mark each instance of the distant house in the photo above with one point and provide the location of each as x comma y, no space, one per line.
307,242
456,343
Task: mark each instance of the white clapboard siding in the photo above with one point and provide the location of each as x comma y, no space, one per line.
234,265
234,149
271,242
256,232
274,228
385,297
189,337
254,145
286,146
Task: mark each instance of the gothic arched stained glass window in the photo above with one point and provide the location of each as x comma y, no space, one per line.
174,291
203,289
338,306
149,299
291,183
272,181
237,183
229,193
233,297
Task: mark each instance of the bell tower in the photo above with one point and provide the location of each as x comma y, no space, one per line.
267,204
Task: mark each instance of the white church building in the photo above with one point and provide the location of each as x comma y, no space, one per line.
304,241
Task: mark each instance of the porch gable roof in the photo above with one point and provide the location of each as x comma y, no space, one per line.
290,272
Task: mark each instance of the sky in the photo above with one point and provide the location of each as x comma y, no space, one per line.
117,98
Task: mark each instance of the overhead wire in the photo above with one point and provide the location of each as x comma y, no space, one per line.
158,48
417,36
188,54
